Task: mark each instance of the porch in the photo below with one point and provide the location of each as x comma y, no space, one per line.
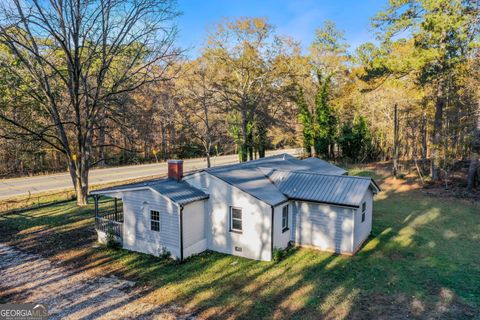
109,219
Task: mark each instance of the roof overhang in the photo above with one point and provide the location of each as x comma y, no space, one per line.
107,191
375,188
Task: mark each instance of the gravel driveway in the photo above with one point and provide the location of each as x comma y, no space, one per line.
72,294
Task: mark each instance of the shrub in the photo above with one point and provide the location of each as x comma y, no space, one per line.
165,254
112,242
279,254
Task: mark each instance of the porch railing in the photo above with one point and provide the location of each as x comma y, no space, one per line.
110,221
111,215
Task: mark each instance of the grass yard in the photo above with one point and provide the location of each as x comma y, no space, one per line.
422,261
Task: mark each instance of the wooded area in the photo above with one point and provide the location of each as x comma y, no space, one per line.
95,83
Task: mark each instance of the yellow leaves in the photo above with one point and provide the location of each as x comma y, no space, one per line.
244,24
248,25
259,23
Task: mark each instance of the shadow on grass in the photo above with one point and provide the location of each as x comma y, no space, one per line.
422,260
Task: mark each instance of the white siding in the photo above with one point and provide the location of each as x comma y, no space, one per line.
324,226
194,238
255,240
281,238
363,229
137,235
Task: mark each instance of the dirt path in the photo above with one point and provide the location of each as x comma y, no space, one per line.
70,294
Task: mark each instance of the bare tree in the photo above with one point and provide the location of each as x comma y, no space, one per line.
254,74
76,56
200,106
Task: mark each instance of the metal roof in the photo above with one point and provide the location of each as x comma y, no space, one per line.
332,189
272,180
288,163
252,176
321,166
251,181
179,192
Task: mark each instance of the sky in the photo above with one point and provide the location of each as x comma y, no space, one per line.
297,19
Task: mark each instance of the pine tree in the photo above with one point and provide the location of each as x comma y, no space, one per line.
306,120
325,126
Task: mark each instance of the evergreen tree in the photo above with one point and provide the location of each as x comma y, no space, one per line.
325,125
306,120
444,31
355,139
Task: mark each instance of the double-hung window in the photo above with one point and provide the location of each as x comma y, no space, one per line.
235,219
154,220
285,218
364,210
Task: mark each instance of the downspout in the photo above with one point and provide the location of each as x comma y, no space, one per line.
181,233
271,234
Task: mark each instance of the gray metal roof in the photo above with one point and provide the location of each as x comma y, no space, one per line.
321,166
288,163
272,180
333,189
179,192
252,176
252,181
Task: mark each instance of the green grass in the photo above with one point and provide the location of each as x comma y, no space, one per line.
422,260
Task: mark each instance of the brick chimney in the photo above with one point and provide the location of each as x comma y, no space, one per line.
175,169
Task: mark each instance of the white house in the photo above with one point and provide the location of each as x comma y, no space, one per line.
245,209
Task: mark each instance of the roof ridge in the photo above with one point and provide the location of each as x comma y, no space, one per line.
245,163
322,174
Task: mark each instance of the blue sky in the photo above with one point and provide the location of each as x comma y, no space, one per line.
298,19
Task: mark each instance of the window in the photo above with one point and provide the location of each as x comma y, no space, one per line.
285,218
235,219
154,220
364,210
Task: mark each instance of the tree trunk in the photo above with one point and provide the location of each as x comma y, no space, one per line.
475,146
472,172
262,138
424,141
437,137
101,152
101,140
261,151
163,144
209,164
250,148
244,144
79,177
395,141
208,147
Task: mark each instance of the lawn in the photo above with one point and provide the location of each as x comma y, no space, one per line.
422,261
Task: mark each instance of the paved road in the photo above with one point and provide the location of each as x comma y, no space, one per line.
23,186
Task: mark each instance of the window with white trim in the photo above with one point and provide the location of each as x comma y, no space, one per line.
285,218
235,219
154,220
364,210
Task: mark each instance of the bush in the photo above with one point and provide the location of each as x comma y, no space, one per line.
112,242
165,254
279,254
